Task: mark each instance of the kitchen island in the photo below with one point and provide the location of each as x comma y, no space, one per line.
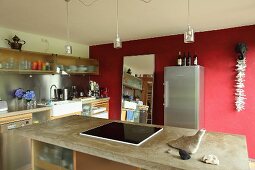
153,154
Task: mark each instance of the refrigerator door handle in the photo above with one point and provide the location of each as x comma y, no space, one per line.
166,92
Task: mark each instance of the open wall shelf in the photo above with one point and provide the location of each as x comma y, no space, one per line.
12,61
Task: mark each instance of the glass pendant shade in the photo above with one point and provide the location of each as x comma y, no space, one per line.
117,42
189,36
68,49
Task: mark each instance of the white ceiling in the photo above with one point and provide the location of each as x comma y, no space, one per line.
96,24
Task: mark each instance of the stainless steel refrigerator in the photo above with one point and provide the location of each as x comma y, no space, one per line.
184,96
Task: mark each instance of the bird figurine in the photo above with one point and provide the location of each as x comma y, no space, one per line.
189,144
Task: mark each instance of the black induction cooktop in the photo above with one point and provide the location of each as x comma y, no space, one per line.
123,132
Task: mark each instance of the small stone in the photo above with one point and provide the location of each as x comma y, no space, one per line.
210,159
184,155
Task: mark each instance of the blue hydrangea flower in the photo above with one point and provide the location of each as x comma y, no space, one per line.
19,93
29,95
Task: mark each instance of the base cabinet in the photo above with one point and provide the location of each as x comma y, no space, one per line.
86,161
50,157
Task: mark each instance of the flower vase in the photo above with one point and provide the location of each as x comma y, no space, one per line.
19,103
29,104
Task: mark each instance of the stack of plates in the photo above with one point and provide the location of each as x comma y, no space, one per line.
73,68
82,68
91,68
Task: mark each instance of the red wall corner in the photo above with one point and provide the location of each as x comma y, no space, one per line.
215,50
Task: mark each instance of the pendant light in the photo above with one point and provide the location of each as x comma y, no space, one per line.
68,47
117,41
189,36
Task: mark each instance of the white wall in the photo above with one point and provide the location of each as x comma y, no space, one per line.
40,43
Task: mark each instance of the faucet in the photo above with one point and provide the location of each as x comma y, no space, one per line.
51,89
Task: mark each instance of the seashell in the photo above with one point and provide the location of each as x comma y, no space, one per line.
188,143
210,159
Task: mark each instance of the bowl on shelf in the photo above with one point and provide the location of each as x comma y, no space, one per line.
82,68
68,69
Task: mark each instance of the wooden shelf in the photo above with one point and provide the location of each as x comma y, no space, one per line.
83,73
78,61
131,87
53,59
132,82
46,165
27,71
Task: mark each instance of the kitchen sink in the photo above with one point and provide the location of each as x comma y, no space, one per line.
60,108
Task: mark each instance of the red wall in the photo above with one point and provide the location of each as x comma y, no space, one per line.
215,51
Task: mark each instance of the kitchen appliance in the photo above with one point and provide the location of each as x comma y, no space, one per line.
74,92
94,89
184,96
65,94
123,133
15,150
58,94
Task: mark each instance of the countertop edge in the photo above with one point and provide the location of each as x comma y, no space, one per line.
15,113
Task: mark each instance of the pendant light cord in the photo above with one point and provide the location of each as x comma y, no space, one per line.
67,22
117,17
188,13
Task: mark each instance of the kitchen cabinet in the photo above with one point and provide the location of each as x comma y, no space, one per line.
51,157
21,62
150,155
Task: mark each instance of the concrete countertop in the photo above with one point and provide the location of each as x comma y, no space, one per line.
21,111
230,149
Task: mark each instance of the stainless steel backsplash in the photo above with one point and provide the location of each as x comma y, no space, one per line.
39,83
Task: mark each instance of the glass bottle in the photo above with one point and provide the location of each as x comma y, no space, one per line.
189,60
195,60
184,59
179,60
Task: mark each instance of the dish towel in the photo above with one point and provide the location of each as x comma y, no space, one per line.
130,115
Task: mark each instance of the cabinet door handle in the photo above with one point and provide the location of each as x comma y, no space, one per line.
166,92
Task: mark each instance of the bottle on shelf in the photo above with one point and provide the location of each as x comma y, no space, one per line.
184,59
189,60
179,60
195,60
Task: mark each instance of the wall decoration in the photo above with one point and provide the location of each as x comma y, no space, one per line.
240,98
